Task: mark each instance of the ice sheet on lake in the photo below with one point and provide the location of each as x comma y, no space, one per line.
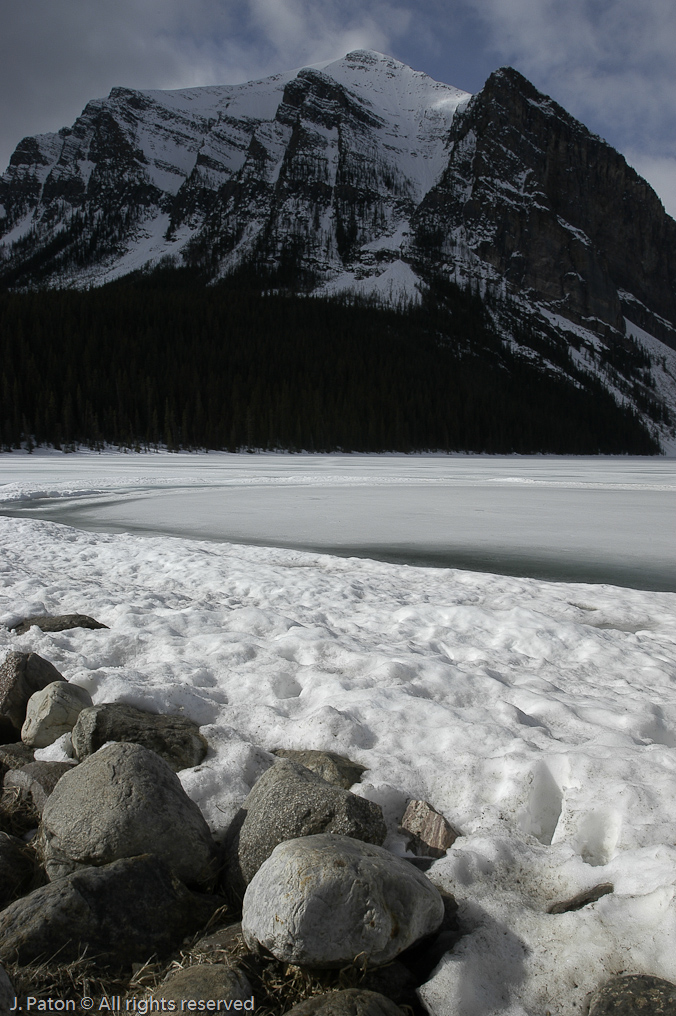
569,519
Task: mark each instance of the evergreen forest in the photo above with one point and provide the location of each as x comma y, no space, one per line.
162,360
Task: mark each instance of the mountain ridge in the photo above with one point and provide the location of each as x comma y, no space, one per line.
362,175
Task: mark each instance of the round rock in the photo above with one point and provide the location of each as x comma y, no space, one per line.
122,801
21,675
205,981
635,995
320,901
122,912
53,711
289,801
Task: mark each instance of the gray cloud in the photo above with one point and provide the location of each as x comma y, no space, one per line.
612,63
54,57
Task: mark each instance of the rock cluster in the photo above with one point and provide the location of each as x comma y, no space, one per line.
132,868
21,675
123,863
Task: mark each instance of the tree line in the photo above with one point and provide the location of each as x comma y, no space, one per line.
161,361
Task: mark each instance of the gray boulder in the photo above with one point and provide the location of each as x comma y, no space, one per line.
289,801
205,981
122,801
53,711
634,995
123,912
16,869
21,675
331,767
320,901
176,739
56,622
351,1002
7,993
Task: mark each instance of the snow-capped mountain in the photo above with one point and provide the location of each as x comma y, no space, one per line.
363,174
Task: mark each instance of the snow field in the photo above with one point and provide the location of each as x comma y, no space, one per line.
539,717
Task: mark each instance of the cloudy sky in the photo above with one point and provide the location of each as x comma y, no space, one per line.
612,63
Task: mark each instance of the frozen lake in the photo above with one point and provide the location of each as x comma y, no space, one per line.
566,519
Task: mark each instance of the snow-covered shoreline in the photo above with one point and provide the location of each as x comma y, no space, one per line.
539,717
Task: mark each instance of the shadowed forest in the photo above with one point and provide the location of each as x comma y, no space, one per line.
161,360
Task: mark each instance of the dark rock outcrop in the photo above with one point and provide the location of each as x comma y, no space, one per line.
552,209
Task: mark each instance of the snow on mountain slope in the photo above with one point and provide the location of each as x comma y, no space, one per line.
362,174
176,150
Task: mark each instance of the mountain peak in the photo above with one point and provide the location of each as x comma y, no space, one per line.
360,174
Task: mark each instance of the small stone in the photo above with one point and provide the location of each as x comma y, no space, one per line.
52,712
321,901
582,899
430,834
289,801
122,912
21,675
56,622
223,940
351,1002
205,981
176,739
634,995
331,767
122,801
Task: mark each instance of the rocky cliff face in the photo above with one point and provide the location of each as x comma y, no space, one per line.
530,196
313,166
363,174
